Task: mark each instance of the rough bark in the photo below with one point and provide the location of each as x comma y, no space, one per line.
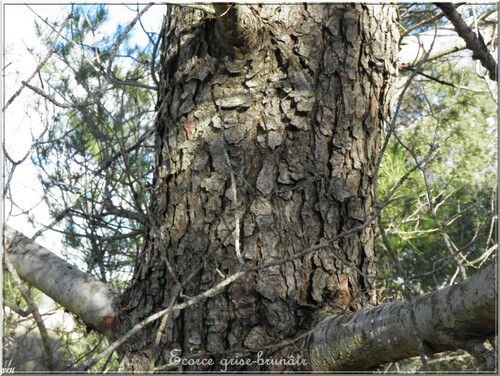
91,300
267,140
447,319
461,316
262,152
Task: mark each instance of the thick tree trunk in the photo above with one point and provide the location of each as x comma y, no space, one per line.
263,149
460,316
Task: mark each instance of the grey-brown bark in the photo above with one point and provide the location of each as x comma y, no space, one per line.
454,318
461,316
267,140
262,152
89,299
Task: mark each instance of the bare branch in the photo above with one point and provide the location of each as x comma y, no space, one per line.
382,334
40,65
108,73
89,299
420,24
444,41
442,82
474,42
16,308
80,192
55,101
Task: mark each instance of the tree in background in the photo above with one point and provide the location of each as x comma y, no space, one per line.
94,162
449,208
103,152
243,205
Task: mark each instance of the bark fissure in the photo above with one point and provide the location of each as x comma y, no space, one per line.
279,139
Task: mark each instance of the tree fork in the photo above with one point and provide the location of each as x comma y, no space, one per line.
237,25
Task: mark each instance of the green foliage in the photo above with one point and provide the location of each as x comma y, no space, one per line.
460,179
97,151
94,163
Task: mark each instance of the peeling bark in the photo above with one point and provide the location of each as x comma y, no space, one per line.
295,119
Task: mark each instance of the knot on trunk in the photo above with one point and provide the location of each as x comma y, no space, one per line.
238,28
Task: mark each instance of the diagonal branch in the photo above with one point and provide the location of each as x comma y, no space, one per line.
89,299
472,41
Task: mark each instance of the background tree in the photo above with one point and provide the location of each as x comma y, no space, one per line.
460,188
93,161
201,146
108,140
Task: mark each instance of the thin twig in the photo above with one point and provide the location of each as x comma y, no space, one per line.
80,192
55,101
237,229
16,308
420,24
41,64
108,73
442,82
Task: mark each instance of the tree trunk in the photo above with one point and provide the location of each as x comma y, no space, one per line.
268,134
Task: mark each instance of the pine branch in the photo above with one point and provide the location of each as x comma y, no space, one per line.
474,42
